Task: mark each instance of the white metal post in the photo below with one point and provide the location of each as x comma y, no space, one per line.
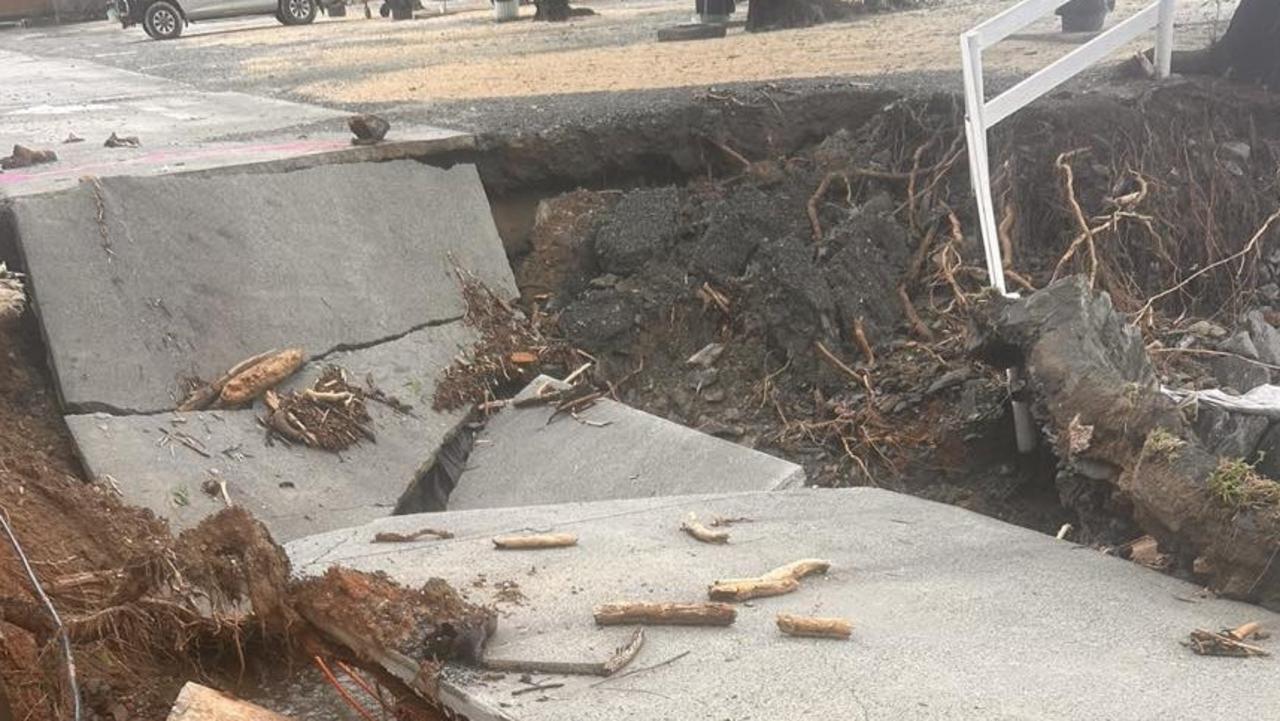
1164,38
979,170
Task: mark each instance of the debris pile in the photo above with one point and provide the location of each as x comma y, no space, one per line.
330,415
512,350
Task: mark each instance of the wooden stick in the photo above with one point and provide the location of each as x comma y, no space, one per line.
393,537
812,627
540,540
783,579
665,614
860,335
694,528
797,570
745,589
1243,632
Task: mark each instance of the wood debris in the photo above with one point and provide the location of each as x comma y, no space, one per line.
694,528
201,703
646,613
122,141
393,537
330,415
777,582
23,157
813,627
535,541
1229,642
247,380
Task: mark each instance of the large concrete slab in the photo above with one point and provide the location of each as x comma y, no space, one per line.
294,490
187,275
523,458
43,100
957,616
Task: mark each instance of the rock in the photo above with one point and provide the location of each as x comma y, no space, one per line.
1084,362
603,282
368,128
1266,339
1268,449
948,380
707,356
642,224
713,395
703,378
1240,151
1207,329
712,427
122,141
1236,372
24,157
1229,435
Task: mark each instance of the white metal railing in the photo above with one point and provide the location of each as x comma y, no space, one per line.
981,114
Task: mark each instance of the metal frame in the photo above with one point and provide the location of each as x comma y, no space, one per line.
981,114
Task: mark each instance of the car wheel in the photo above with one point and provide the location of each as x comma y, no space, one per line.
297,12
162,20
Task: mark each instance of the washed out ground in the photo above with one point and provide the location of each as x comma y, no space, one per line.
643,306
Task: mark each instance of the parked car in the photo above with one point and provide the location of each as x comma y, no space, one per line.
165,19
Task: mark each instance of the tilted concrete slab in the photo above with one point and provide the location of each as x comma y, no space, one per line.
188,275
182,128
523,458
957,616
294,490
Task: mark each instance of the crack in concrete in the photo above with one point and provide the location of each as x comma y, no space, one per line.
92,407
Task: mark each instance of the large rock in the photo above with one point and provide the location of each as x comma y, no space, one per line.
526,457
1098,399
139,282
956,616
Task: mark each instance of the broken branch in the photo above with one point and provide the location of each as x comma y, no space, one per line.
694,528
540,540
664,614
620,658
393,537
812,627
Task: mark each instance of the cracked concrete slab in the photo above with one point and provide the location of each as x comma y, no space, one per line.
523,457
956,615
187,275
294,490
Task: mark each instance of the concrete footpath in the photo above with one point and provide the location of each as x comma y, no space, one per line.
956,615
182,129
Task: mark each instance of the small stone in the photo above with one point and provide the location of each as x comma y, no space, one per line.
1240,151
713,395
1207,329
948,380
707,357
715,428
608,280
703,378
368,128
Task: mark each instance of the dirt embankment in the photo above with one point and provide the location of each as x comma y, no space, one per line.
835,285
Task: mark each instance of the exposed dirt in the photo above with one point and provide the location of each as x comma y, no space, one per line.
642,279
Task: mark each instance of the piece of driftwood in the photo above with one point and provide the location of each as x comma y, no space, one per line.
622,656
783,579
745,589
694,528
205,394
201,703
535,541
665,614
813,627
393,537
260,377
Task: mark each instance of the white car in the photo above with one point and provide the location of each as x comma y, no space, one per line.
165,19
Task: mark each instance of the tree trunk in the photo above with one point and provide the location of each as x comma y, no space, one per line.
552,10
1249,51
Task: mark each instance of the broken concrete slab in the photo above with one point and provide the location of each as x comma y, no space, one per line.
956,615
45,99
523,457
294,490
187,275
